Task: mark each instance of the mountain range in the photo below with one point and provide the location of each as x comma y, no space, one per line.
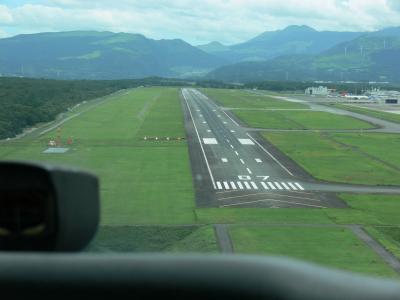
294,53
101,55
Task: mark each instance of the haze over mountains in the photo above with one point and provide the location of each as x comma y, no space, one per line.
294,53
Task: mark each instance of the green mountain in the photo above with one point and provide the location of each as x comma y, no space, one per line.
271,44
373,57
101,55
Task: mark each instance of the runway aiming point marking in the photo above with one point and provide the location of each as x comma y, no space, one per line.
210,141
246,141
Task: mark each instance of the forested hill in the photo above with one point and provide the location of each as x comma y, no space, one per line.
25,102
100,55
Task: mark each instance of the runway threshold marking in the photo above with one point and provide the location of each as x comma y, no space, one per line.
201,145
273,157
266,185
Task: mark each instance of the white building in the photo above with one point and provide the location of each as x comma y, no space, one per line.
321,90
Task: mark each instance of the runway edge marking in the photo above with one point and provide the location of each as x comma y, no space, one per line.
201,145
273,157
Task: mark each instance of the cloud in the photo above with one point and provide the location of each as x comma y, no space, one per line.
5,15
228,21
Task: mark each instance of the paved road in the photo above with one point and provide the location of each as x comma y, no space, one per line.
234,167
383,126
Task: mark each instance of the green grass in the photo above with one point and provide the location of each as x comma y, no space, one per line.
367,209
344,157
389,237
299,120
334,247
154,239
262,216
108,140
369,112
247,99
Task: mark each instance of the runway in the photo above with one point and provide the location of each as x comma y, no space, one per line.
234,166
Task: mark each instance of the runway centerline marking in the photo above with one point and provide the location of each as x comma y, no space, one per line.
273,157
225,160
242,161
233,131
237,153
232,146
208,130
201,144
258,160
248,170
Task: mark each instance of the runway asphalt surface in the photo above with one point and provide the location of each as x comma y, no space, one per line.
234,166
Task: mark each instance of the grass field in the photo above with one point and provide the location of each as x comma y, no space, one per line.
336,247
247,99
146,186
108,140
299,120
154,239
369,112
344,157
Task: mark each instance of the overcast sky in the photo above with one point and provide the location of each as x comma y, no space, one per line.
227,21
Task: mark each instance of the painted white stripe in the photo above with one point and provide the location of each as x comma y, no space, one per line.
299,186
225,122
210,141
240,185
197,109
225,160
292,186
247,185
201,145
242,161
285,186
219,116
232,146
278,185
258,160
254,185
236,123
246,141
201,115
233,185
214,110
208,130
248,170
274,200
219,185
271,185
273,157
265,186
228,140
226,185
232,131
237,153
204,122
